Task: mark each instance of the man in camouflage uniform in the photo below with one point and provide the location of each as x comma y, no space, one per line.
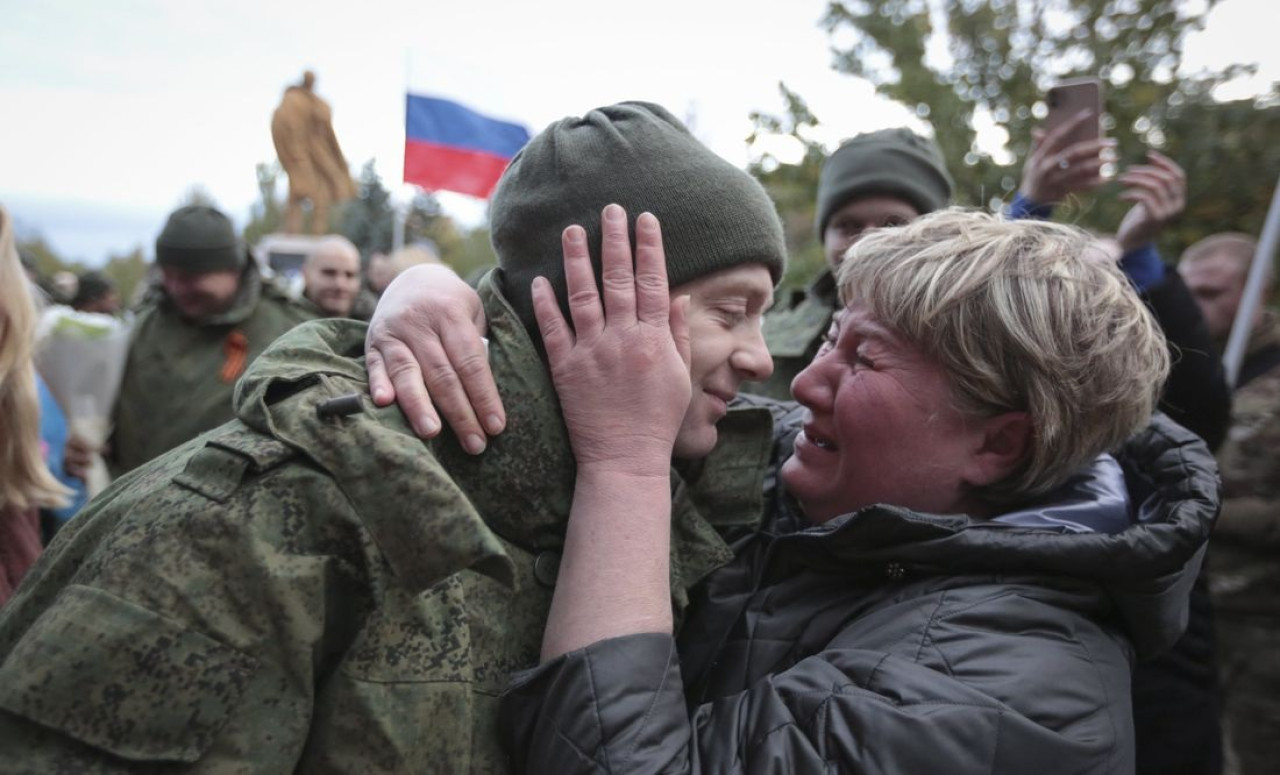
312,587
1244,554
883,178
214,314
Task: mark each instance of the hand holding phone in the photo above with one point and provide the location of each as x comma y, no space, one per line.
1067,102
1067,154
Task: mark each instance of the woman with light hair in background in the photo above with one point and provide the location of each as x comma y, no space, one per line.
25,482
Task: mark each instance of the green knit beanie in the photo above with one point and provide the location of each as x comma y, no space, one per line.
890,162
713,215
199,239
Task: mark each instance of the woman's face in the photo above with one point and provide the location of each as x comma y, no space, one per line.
882,426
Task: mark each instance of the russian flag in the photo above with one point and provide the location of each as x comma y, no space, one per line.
449,147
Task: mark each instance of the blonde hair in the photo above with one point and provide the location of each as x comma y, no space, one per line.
1022,316
25,480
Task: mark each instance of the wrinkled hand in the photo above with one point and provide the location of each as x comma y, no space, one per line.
424,345
622,370
1159,193
77,456
1055,169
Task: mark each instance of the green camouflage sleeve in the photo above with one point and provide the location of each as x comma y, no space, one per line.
1250,464
181,623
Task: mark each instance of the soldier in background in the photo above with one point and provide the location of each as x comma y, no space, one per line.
95,292
331,278
1244,555
213,315
883,178
302,129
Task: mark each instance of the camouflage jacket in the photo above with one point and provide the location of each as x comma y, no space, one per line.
793,331
180,374
1244,554
310,590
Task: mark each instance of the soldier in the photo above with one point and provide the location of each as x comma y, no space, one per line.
1245,584
883,178
331,277
312,587
214,314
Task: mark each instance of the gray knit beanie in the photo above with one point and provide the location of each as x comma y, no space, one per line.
713,215
892,162
199,239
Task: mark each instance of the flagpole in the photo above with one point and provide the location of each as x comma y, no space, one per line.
397,232
402,211
1251,297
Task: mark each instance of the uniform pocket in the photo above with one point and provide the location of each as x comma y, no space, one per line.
123,679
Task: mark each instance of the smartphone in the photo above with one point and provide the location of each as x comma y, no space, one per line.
1067,99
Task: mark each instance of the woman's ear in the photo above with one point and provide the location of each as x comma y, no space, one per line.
1001,447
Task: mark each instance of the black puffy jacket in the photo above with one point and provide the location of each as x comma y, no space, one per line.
889,641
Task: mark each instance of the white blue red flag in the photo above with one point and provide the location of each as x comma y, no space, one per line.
449,147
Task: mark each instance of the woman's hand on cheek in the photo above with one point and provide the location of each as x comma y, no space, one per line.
622,369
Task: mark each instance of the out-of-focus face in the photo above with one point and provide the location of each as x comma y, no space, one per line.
847,225
1217,283
106,304
332,277
726,310
200,294
381,272
882,426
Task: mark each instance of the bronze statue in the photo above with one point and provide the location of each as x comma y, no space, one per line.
302,128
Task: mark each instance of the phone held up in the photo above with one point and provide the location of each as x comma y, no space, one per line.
1067,99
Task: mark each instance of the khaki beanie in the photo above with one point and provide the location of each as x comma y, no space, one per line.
199,239
890,162
713,215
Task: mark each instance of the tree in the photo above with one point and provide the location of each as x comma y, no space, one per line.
1232,161
369,219
47,262
970,63
128,271
265,215
198,195
792,186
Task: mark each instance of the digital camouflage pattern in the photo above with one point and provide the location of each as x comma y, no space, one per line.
180,375
297,592
793,332
1244,558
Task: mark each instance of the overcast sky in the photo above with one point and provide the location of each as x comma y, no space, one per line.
112,111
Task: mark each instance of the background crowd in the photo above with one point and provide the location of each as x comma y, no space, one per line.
210,308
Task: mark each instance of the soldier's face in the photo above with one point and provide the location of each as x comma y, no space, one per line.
1217,283
333,280
725,314
200,294
848,224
